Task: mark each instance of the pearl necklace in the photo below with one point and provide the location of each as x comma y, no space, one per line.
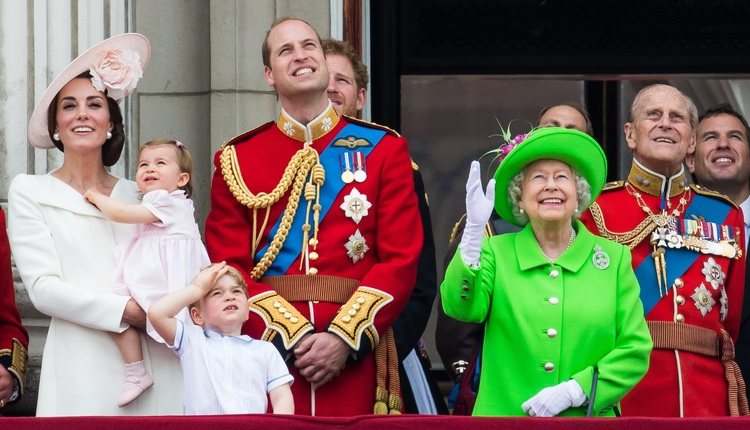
570,242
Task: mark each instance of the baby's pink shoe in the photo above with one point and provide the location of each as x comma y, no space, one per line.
136,382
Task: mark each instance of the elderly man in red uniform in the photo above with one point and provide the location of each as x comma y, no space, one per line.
13,337
319,213
687,254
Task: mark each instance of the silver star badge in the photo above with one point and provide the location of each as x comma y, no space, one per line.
356,246
714,275
355,205
703,300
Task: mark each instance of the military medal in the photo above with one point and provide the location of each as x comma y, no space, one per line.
713,273
355,205
360,173
347,176
600,258
356,247
703,300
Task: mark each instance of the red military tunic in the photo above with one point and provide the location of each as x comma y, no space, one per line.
13,337
368,266
700,293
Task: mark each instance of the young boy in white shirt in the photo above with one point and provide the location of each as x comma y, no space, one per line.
224,372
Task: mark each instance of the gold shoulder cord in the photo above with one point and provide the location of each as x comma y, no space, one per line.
304,162
628,238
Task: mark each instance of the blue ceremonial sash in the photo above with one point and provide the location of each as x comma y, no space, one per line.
678,260
330,159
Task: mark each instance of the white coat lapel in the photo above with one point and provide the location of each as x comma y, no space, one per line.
56,193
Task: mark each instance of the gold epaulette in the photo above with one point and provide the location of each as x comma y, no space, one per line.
613,185
246,135
373,125
280,317
706,192
357,317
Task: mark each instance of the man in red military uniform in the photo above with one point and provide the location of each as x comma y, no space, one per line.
13,337
687,254
319,213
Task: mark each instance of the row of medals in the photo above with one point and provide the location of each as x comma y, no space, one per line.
666,235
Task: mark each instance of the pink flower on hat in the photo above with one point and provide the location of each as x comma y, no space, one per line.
508,143
116,71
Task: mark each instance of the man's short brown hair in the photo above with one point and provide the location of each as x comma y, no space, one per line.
338,47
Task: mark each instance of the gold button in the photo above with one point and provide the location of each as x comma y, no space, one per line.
360,300
313,242
287,315
294,320
679,318
313,256
679,300
549,367
465,287
282,309
276,304
356,306
312,271
551,332
346,318
678,283
554,273
554,300
352,312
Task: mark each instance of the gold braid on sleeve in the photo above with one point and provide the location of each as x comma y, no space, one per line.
301,165
629,238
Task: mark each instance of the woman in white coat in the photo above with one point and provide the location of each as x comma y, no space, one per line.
64,247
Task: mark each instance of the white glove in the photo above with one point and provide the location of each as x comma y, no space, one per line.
552,400
478,210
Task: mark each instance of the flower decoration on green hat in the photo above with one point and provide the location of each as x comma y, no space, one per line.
509,142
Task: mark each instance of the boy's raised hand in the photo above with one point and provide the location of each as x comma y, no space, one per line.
206,278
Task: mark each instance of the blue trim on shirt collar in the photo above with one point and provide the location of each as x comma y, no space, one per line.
213,334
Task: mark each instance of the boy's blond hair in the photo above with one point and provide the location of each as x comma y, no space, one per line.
232,273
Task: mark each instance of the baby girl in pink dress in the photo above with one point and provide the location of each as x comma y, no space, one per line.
166,251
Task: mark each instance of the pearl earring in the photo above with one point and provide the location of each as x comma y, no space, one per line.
56,136
520,210
109,135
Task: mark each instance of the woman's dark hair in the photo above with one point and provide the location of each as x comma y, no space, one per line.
113,146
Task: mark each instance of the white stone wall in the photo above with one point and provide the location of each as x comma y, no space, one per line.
204,84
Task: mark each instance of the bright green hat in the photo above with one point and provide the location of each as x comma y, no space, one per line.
577,149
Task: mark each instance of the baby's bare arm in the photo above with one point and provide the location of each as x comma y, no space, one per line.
118,211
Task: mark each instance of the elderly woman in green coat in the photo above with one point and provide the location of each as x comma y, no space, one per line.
559,304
